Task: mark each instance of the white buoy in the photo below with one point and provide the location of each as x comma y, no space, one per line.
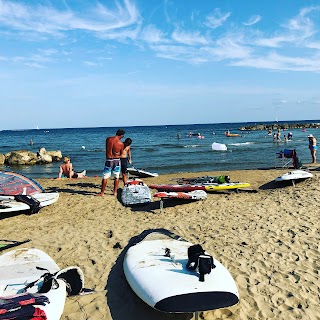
219,146
83,147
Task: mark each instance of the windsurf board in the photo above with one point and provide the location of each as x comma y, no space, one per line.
192,195
204,179
202,186
225,186
141,173
177,187
18,268
294,175
156,269
135,192
9,204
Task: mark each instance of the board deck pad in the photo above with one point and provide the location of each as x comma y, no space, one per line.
135,192
164,282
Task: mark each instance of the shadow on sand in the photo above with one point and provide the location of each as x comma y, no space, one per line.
123,302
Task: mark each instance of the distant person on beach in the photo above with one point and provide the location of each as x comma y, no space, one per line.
125,158
313,147
178,136
290,136
279,135
31,142
285,138
66,170
114,149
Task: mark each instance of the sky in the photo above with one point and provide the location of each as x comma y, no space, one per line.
87,63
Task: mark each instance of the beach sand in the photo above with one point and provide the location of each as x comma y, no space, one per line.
268,237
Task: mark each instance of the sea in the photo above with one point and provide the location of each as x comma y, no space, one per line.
158,148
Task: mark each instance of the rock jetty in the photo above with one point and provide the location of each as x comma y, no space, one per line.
25,157
276,126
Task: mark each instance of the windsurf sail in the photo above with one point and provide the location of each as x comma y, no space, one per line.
12,184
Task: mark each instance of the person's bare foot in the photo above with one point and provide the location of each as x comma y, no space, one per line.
100,195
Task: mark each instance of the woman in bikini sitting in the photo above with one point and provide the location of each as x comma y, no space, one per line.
67,171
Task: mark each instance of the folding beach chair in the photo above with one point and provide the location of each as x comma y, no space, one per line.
287,158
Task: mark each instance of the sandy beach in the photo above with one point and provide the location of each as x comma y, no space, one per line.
267,236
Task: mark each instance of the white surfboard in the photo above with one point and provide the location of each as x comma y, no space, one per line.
135,192
192,195
141,173
294,175
18,269
9,204
164,282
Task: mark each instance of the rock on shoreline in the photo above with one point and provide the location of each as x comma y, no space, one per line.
25,157
276,126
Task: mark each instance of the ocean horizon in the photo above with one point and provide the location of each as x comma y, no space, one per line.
158,149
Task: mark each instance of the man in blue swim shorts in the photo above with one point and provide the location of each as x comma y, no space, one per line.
114,148
111,166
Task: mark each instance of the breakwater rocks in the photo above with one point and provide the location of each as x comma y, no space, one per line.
25,157
276,126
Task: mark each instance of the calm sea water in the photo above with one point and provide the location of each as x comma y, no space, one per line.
157,148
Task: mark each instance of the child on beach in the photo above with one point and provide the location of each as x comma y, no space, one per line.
125,157
67,171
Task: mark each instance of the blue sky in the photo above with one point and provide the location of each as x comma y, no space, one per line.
77,63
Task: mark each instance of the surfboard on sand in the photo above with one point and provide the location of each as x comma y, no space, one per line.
141,173
192,195
135,192
158,270
10,204
225,186
18,268
202,186
294,175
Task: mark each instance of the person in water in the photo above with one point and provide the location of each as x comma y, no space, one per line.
313,147
125,158
66,170
114,149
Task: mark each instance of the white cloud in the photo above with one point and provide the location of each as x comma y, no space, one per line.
151,34
253,20
92,64
51,21
216,19
189,38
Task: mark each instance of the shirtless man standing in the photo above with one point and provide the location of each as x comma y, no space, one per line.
114,148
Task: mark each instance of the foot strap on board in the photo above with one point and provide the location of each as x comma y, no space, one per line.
33,203
198,259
